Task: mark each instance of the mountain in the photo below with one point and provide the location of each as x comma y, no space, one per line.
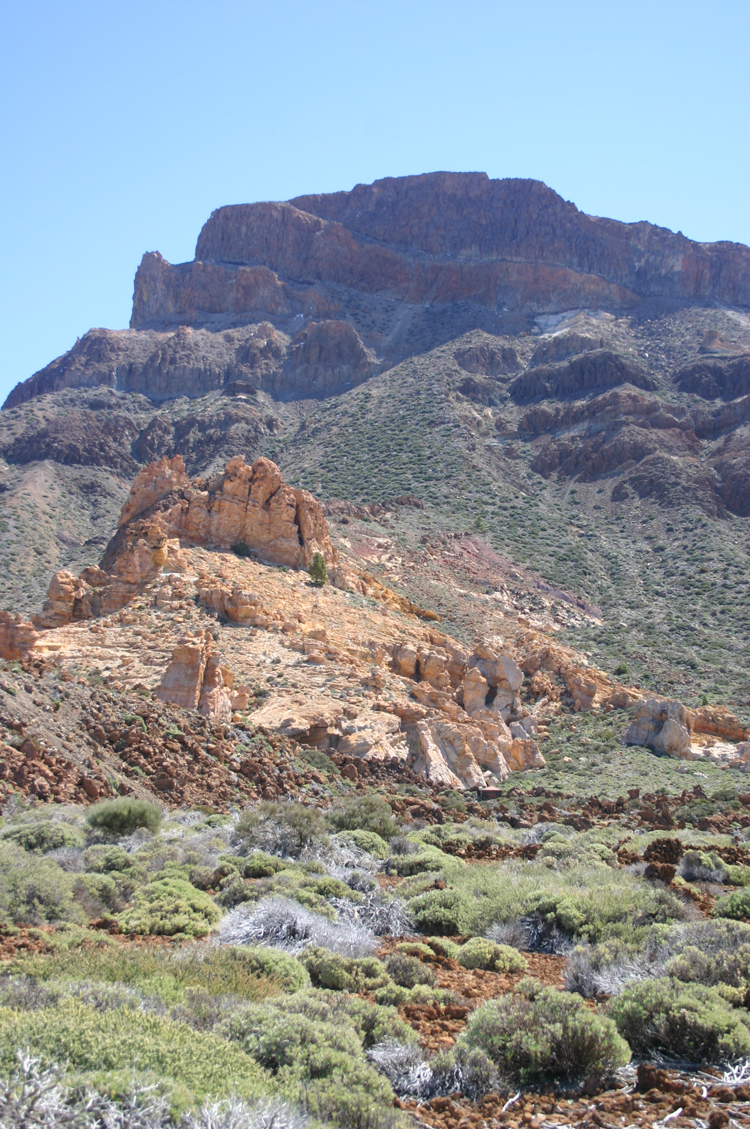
574,390
376,609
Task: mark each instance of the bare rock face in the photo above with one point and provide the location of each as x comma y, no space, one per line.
196,678
661,724
246,505
17,636
600,369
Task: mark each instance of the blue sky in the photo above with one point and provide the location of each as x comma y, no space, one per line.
124,125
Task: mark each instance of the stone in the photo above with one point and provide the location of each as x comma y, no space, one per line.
183,679
475,690
661,724
153,483
216,691
17,636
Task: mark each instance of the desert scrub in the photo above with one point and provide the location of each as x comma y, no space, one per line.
365,813
170,907
408,971
536,1035
122,1039
691,1022
280,829
735,905
350,974
368,841
590,903
317,1063
258,864
251,973
41,836
122,816
480,953
34,890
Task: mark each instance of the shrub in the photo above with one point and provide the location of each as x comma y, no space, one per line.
408,971
285,829
686,1021
537,1034
423,862
34,890
124,815
702,866
441,911
738,875
366,813
274,965
285,924
366,841
42,836
331,970
320,1063
121,1039
695,966
735,905
372,1023
480,953
242,550
317,570
171,973
261,865
108,860
171,907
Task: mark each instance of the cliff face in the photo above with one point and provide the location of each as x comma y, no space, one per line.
313,296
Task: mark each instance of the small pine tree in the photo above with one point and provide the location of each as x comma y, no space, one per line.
317,570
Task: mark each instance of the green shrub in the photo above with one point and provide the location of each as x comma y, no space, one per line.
285,829
441,911
108,860
42,836
738,875
349,974
317,570
735,905
124,815
373,1024
318,1063
123,1039
366,813
423,862
480,953
443,947
729,968
408,971
242,550
687,1021
273,964
536,1034
366,841
260,865
172,907
170,973
97,893
34,890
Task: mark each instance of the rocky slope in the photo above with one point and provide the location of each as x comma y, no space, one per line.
598,451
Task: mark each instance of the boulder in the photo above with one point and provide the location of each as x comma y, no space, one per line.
17,636
183,679
661,724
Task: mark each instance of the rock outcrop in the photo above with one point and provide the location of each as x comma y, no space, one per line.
17,636
247,506
196,678
663,725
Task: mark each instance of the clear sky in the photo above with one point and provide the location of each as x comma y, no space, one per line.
124,125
